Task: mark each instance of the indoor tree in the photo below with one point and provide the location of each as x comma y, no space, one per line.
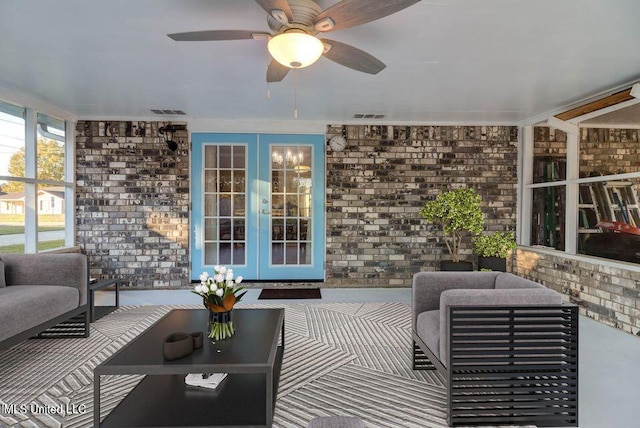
458,213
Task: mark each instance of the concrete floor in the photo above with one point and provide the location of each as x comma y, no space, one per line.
609,359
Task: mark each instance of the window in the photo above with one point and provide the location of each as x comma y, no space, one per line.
34,181
549,175
592,210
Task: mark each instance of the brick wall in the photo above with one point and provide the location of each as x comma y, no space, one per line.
132,201
377,185
607,294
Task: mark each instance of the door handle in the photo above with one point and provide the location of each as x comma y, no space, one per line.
266,212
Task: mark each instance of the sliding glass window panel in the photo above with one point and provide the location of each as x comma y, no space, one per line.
609,151
548,217
609,219
12,220
549,155
50,148
224,204
50,204
12,146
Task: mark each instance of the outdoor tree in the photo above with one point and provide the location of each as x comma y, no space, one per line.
50,164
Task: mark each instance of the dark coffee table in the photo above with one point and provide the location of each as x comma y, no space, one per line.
252,357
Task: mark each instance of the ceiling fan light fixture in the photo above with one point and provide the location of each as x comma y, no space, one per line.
295,49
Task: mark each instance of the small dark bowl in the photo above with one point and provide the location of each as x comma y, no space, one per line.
177,345
197,339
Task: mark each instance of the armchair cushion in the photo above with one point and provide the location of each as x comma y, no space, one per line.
427,287
428,328
506,281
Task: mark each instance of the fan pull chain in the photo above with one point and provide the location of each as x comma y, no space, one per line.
267,59
295,93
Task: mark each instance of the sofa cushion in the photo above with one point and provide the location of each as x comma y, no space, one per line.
3,282
428,329
25,306
508,281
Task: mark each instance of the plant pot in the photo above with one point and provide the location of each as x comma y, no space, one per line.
492,263
451,266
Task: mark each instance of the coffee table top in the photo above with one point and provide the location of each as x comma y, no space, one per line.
252,349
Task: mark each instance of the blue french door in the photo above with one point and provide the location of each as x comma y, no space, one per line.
258,205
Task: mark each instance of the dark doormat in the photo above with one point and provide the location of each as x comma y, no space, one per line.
290,293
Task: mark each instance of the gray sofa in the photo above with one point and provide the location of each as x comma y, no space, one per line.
43,295
506,346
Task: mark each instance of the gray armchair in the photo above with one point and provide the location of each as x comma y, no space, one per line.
507,347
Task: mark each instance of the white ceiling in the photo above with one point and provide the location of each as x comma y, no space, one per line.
453,61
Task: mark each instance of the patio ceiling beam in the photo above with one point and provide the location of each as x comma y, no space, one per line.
611,100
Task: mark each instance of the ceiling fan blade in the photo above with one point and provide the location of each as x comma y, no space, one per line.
351,57
213,35
276,71
270,5
349,13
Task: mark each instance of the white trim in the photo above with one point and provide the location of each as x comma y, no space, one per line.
23,100
69,188
562,125
598,261
547,184
635,91
526,193
611,177
30,186
572,194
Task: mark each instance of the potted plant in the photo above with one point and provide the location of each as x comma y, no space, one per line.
458,213
493,250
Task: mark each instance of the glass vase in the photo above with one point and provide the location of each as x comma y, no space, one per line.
220,325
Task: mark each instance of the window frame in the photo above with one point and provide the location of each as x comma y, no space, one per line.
572,185
30,180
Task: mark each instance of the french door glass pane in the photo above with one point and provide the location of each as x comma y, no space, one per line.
224,204
291,188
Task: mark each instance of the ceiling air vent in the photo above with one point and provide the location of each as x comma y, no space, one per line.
169,112
368,116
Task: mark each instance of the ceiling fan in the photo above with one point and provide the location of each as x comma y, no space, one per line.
295,24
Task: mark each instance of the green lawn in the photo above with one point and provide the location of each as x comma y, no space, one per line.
6,229
19,248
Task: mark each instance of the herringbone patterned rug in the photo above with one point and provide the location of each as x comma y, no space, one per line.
340,359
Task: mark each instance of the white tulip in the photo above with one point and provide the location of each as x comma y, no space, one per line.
213,286
204,276
238,279
229,275
223,270
219,278
219,292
